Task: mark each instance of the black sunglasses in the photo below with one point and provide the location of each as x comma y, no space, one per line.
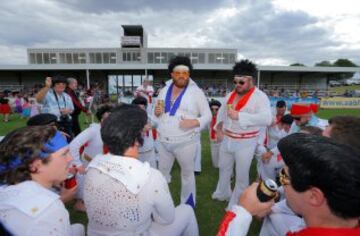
241,82
215,109
297,118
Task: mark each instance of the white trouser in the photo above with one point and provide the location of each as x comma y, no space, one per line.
184,224
215,148
77,230
197,166
148,156
185,155
240,151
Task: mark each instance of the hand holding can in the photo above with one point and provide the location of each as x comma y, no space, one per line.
266,190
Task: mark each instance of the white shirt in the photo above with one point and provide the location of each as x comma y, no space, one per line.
94,144
29,209
123,196
194,105
254,115
145,92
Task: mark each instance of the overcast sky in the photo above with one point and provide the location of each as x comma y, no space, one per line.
278,32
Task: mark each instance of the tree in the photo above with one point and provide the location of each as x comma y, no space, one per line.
323,63
344,63
297,64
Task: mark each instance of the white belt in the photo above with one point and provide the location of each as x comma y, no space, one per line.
177,139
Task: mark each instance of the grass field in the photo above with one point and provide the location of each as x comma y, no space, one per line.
208,212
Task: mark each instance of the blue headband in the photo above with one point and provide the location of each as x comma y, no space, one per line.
55,143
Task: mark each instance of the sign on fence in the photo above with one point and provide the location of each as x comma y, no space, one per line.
339,102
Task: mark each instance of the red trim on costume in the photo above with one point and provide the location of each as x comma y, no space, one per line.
229,216
279,157
242,102
327,232
212,130
82,148
241,135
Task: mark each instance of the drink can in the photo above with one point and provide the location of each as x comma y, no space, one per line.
266,190
229,106
70,181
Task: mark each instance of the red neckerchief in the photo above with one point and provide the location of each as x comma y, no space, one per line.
278,118
212,130
327,232
242,102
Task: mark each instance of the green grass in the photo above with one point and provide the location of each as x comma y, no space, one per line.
208,212
342,89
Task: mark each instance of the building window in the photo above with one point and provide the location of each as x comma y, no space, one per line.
164,58
106,57
39,59
46,58
219,58
92,58
201,58
194,58
150,57
98,59
76,58
226,58
82,58
157,57
53,59
211,58
113,58
32,58
62,58
68,57
232,58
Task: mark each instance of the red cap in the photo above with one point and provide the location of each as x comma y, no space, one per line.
298,109
314,107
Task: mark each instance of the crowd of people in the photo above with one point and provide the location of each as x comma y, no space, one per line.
119,168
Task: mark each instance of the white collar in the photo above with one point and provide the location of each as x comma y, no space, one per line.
132,173
29,197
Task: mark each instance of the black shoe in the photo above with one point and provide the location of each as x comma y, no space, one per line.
197,173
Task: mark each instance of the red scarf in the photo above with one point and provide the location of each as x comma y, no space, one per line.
327,232
212,130
242,102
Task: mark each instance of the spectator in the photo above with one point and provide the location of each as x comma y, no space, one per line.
71,90
56,101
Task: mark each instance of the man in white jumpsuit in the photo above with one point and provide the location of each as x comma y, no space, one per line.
184,111
146,90
247,109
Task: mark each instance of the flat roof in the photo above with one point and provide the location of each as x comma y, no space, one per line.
141,66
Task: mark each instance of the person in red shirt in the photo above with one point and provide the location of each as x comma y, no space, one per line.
321,182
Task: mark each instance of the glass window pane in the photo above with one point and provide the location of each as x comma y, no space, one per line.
53,59
98,58
82,58
226,58
92,58
106,57
112,57
32,58
157,57
39,59
202,58
150,58
219,58
68,58
211,58
62,58
76,58
136,80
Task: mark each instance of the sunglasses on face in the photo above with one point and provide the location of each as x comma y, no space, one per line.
240,82
214,109
181,73
297,118
284,178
